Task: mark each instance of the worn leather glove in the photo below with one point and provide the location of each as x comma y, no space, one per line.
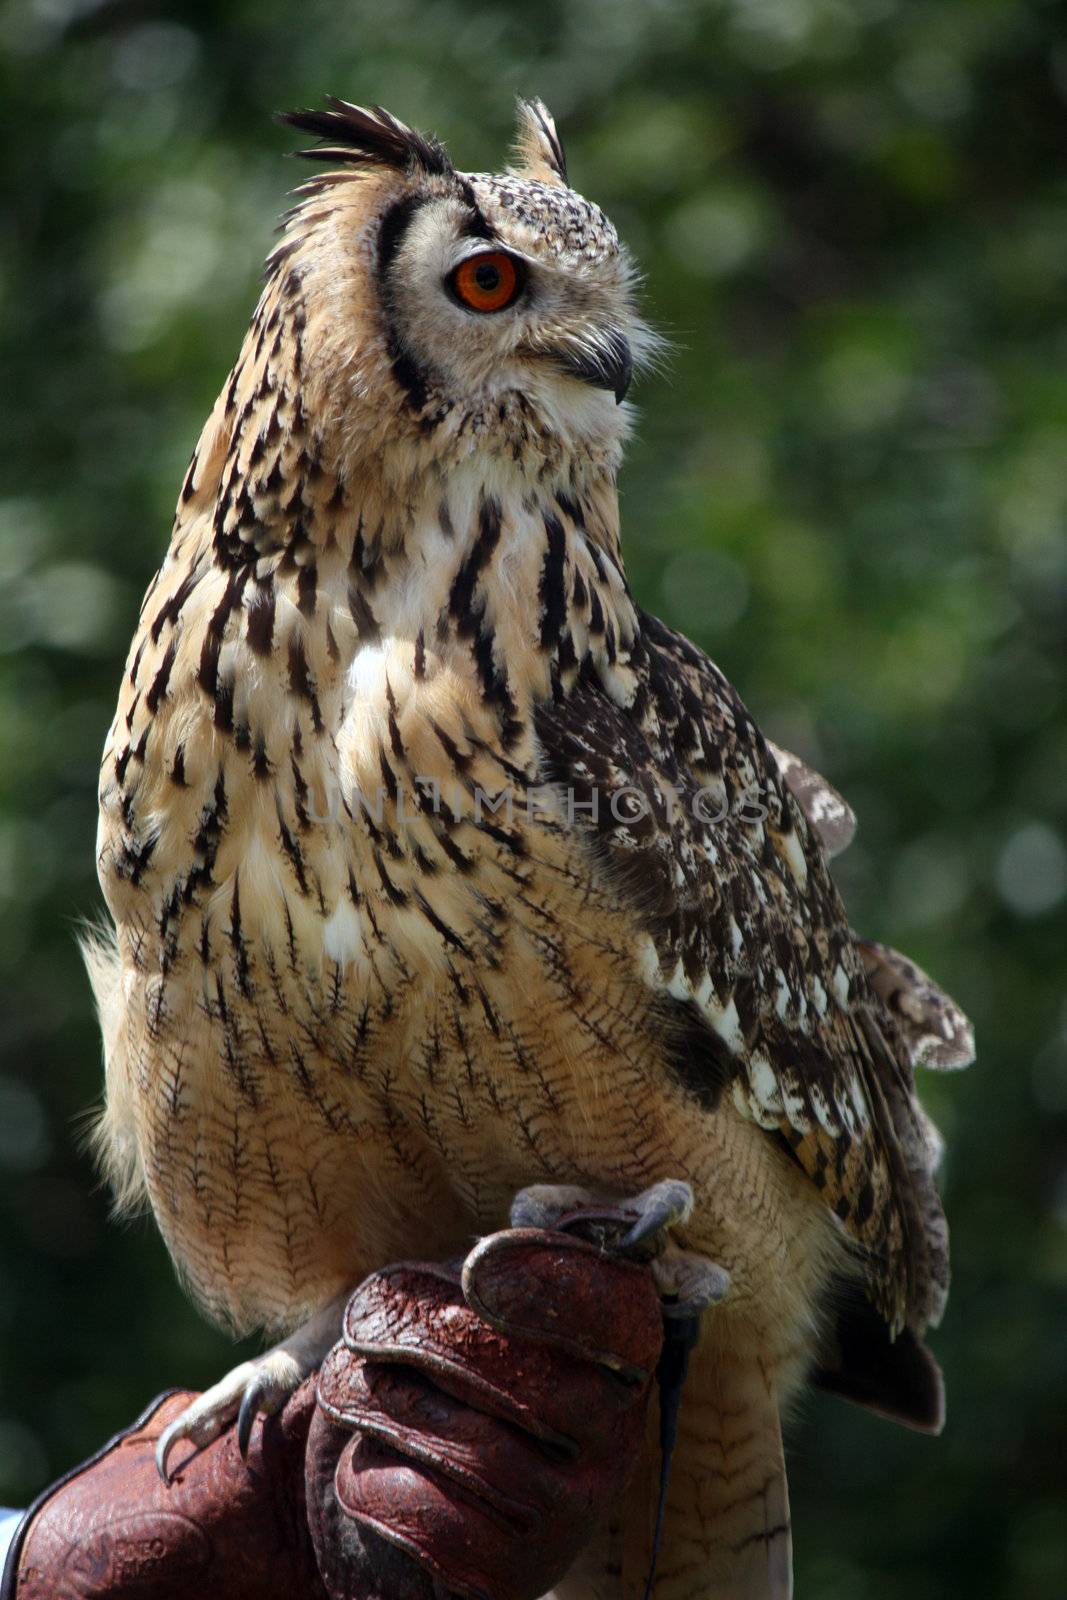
483,1422
111,1530
467,1434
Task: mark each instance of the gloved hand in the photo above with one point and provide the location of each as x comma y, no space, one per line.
111,1530
467,1434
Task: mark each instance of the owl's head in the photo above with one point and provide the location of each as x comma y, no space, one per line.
468,310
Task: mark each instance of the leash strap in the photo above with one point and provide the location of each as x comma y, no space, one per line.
679,1337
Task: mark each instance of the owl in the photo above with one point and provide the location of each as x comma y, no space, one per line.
440,871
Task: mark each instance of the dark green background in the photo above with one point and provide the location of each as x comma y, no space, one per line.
849,484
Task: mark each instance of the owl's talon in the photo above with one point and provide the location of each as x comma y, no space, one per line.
255,1388
209,1415
198,1427
164,1444
248,1411
276,1376
636,1227
659,1209
543,1205
688,1282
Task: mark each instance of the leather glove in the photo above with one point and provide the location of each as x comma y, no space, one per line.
467,1433
112,1530
481,1422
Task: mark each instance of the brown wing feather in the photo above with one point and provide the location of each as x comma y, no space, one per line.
934,1029
827,813
742,919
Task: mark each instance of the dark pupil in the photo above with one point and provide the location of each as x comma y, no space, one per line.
487,277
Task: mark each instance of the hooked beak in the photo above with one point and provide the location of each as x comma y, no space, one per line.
610,367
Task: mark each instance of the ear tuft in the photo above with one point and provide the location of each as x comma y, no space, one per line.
372,136
538,151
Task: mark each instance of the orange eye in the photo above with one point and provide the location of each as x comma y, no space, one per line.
489,282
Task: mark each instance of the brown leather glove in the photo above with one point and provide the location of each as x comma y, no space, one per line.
470,1430
483,1423
111,1530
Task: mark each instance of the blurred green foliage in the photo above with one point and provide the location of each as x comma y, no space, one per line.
849,484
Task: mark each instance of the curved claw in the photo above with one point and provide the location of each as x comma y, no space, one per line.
164,1444
181,1428
660,1208
256,1398
261,1385
636,1226
205,1418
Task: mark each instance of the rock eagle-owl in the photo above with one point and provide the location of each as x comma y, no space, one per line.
440,869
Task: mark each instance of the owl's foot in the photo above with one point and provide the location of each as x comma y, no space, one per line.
254,1388
638,1227
688,1282
634,1225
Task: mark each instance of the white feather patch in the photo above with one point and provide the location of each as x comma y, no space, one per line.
342,934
